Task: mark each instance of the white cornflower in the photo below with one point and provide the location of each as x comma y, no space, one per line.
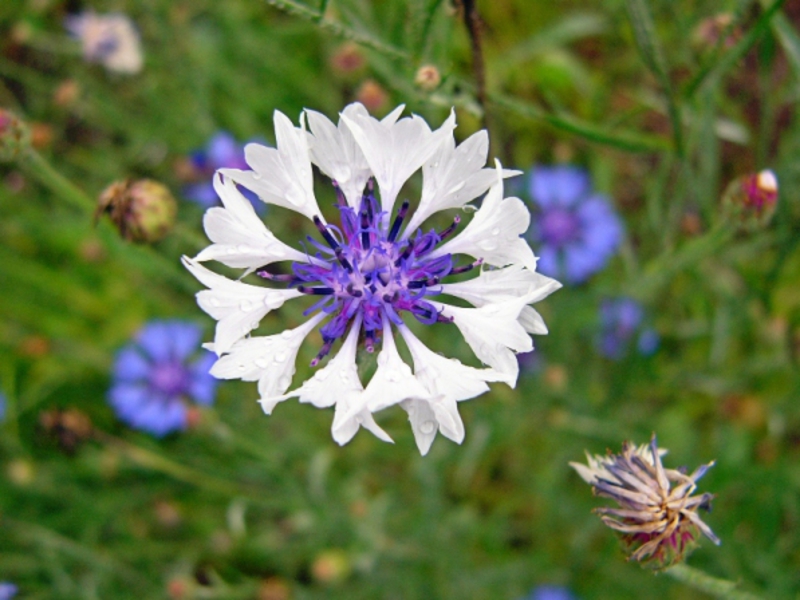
369,272
111,40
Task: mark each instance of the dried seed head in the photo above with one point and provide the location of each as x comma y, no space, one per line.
142,211
15,136
658,523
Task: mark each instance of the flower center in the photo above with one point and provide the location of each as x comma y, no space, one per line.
169,378
559,226
364,269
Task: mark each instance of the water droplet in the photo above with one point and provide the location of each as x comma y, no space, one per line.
253,325
496,231
242,367
383,358
214,302
344,376
287,334
469,208
487,245
261,363
427,427
392,375
242,249
246,306
280,357
284,383
256,176
278,251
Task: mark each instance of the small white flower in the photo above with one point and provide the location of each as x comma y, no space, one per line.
369,274
111,40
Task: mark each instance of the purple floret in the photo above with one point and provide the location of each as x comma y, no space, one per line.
577,230
621,325
157,374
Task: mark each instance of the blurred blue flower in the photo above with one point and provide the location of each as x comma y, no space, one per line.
576,229
549,592
7,590
221,152
2,407
621,325
155,376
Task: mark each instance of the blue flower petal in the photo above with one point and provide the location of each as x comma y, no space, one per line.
548,262
185,339
203,386
580,263
155,339
202,193
130,365
224,151
559,185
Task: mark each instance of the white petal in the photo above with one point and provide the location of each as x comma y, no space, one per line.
346,423
447,381
282,175
532,321
335,151
498,285
423,423
336,380
396,149
494,232
494,333
241,239
454,176
269,359
238,307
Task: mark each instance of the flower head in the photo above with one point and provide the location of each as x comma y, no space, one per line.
577,230
157,374
621,325
373,271
7,590
221,152
750,201
549,592
659,523
111,40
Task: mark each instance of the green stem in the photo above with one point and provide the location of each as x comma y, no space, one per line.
660,271
697,579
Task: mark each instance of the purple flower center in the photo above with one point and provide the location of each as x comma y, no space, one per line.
559,226
364,270
169,378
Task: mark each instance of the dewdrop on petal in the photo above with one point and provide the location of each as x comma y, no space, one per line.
658,523
142,210
750,201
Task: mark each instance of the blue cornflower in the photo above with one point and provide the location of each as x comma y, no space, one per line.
373,271
577,231
155,376
7,590
2,407
621,324
221,152
549,592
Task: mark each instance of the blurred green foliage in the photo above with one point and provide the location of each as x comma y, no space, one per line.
244,506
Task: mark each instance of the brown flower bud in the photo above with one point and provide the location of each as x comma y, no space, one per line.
142,210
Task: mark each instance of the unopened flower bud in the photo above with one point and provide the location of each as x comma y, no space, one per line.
142,210
372,95
331,566
750,201
15,136
348,58
427,78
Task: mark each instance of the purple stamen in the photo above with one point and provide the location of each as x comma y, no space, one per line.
398,221
366,275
